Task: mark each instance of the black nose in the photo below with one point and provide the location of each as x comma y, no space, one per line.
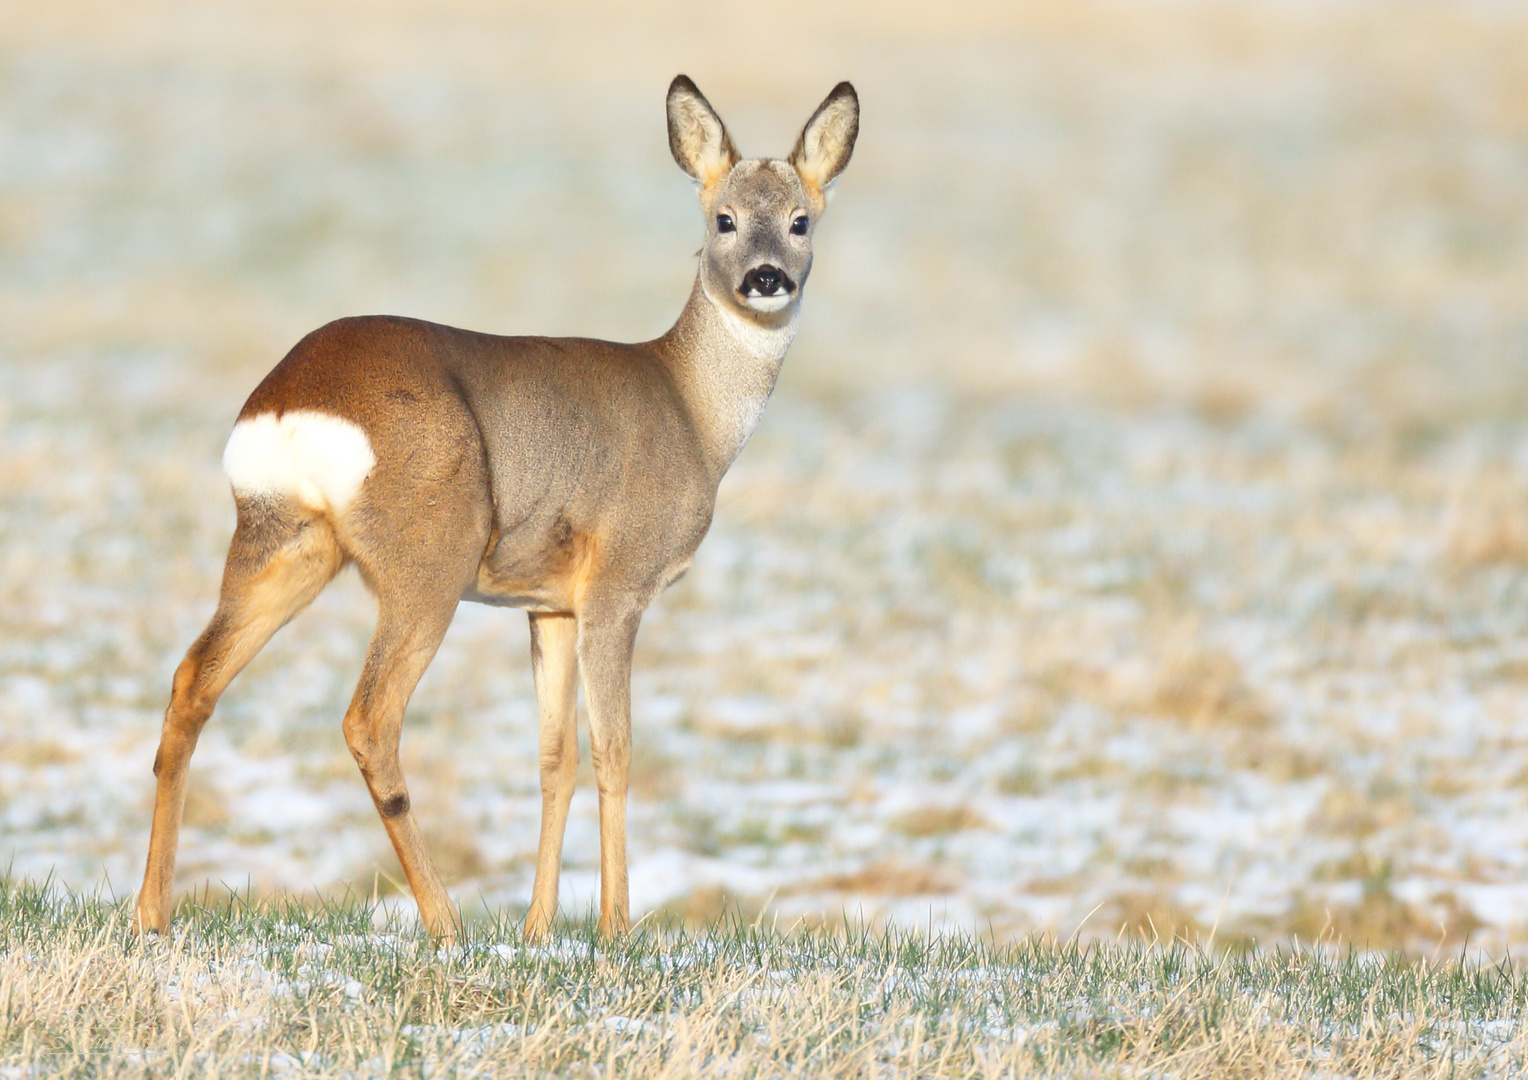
765,280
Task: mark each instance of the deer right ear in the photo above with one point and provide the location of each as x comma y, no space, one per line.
697,136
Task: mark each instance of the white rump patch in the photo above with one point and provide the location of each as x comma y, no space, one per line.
318,460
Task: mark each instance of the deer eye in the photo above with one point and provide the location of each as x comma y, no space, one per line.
724,223
798,227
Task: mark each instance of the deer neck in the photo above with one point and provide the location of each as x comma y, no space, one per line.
725,365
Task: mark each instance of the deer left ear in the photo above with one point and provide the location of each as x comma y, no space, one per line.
827,141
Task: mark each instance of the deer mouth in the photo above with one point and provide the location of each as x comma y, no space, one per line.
769,303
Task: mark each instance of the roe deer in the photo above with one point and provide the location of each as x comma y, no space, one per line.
570,477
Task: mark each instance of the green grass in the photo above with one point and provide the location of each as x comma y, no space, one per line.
245,989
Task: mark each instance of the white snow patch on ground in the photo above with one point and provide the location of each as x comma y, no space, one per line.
1126,544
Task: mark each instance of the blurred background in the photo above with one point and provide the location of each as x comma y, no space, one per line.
1138,539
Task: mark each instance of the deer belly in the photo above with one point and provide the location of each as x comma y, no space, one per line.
547,571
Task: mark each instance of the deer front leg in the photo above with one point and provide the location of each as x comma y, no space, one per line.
554,663
605,641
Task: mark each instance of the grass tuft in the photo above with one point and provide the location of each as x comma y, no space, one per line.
248,988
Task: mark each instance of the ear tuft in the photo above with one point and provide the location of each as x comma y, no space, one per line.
827,141
697,137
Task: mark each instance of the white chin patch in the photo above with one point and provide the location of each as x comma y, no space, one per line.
317,460
769,303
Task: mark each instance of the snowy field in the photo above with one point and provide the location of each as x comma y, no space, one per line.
1139,537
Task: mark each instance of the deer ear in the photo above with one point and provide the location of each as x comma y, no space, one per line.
697,137
827,141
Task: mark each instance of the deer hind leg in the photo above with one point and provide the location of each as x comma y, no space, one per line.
605,642
279,560
554,662
409,630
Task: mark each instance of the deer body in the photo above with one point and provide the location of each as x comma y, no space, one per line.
570,477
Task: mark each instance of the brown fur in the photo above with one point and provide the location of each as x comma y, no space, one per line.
570,477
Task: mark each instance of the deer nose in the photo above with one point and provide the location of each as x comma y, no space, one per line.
766,280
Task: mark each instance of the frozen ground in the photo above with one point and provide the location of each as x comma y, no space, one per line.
1140,537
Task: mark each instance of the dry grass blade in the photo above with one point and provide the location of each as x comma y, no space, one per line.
248,990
